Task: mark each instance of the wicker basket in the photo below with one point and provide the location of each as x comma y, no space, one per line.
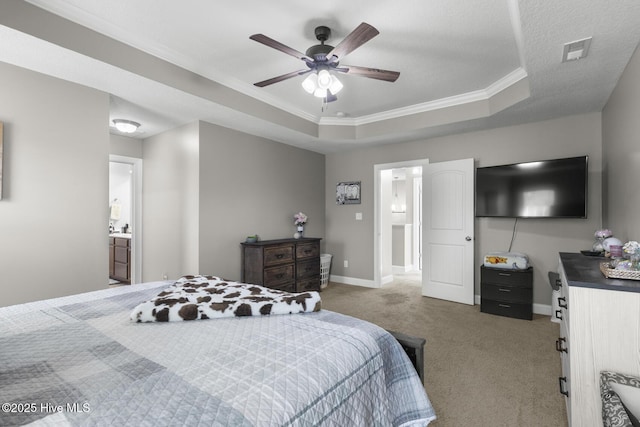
612,273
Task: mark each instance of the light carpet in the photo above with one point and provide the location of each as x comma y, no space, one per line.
480,369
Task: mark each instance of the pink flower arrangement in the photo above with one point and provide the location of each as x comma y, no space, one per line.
300,219
603,234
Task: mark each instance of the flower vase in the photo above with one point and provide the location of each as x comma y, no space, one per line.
598,245
301,230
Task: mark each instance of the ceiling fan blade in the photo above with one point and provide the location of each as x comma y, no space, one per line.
362,34
268,41
281,78
372,73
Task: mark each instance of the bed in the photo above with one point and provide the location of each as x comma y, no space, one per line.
81,360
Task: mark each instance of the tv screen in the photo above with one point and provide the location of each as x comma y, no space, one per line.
543,189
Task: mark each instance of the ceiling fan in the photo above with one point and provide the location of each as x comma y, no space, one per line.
322,58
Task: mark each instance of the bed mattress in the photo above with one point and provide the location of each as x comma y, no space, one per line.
79,360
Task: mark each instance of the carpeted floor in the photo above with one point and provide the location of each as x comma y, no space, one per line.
480,369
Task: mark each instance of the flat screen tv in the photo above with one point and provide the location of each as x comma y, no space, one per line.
542,189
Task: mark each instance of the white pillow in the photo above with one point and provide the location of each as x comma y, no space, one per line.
630,396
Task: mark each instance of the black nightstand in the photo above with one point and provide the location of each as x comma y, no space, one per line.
507,292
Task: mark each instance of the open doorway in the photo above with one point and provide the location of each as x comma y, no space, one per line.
398,212
125,220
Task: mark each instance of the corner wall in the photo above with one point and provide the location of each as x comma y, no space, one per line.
53,215
170,199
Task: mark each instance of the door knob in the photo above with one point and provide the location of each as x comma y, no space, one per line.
468,238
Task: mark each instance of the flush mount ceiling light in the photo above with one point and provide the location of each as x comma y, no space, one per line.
126,126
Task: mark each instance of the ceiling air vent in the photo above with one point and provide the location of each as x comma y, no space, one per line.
576,50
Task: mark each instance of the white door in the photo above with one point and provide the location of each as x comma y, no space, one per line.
448,220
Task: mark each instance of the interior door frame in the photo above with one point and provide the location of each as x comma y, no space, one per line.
377,248
136,206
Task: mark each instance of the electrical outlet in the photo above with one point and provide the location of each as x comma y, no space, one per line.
346,263
164,276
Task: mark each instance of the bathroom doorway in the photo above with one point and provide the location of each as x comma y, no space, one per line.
399,223
125,213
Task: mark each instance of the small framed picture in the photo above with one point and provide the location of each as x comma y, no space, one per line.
348,193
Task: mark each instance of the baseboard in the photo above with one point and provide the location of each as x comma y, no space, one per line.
353,281
543,309
400,269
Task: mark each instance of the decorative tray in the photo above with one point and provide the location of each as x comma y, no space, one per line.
612,273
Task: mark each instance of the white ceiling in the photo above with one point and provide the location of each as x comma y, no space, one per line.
464,65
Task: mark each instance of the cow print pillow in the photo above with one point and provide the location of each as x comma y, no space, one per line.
210,297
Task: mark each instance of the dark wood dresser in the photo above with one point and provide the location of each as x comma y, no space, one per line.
291,265
507,292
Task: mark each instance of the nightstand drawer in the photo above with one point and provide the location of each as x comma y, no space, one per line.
522,278
275,275
278,254
506,293
509,309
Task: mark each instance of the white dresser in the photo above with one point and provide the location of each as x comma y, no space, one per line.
599,330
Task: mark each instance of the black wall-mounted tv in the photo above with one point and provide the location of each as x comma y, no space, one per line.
542,189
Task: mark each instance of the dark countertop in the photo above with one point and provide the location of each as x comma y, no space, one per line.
584,271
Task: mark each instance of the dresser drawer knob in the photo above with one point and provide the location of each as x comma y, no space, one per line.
279,256
559,314
504,274
562,302
559,346
561,382
504,290
504,305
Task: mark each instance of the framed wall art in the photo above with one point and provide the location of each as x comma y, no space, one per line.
348,193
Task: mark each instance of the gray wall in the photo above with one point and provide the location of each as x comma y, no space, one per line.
621,146
53,215
170,200
541,239
125,146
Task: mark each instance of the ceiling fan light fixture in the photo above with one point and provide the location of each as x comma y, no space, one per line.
324,79
310,83
336,85
126,126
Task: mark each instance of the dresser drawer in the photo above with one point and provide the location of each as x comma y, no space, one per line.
308,269
278,254
285,287
509,309
310,284
121,254
497,276
119,241
307,250
276,275
506,293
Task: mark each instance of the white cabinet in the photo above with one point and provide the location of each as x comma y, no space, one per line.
599,330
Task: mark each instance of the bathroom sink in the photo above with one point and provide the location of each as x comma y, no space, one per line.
122,235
